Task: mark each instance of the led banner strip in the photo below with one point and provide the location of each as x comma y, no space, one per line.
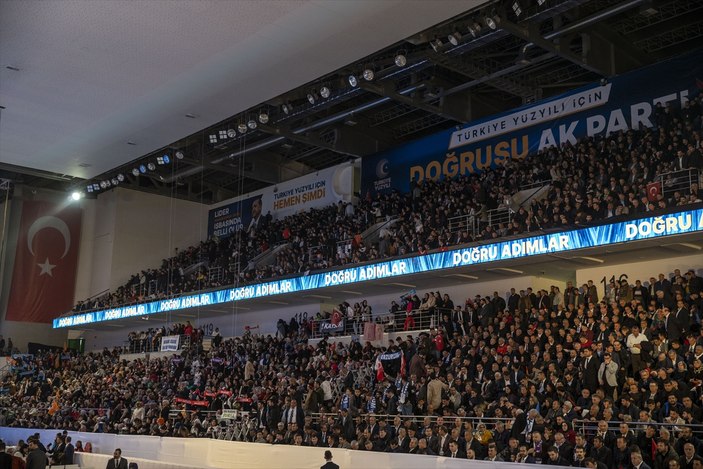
614,233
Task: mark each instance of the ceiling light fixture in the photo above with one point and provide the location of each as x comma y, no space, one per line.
223,134
325,92
231,133
76,196
475,28
213,138
96,187
89,188
180,155
151,166
454,38
263,117
492,22
401,60
242,128
517,9
311,97
353,81
251,124
115,181
436,44
120,177
135,171
369,74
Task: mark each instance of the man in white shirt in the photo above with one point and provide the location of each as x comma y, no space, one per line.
634,344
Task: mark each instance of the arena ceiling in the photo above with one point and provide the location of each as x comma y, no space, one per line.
79,80
550,47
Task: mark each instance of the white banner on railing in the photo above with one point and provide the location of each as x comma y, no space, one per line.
170,343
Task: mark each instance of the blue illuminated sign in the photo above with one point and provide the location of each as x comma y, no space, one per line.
614,233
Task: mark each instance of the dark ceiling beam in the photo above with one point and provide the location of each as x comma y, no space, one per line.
530,33
387,89
475,73
359,146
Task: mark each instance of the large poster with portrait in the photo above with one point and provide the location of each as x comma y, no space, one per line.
315,190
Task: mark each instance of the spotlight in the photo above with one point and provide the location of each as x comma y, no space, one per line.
151,166
368,74
96,187
223,134
541,2
135,171
108,183
213,138
180,155
89,188
142,169
401,60
163,159
251,124
436,44
325,92
76,195
475,29
286,108
231,133
517,9
120,177
103,185
242,128
492,22
353,81
454,38
115,181
311,97
263,117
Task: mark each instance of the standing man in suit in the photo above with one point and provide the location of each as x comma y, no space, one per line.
590,367
329,464
36,458
117,462
5,458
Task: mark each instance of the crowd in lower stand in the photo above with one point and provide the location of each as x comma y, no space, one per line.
572,376
591,180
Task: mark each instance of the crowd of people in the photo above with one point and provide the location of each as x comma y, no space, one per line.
573,376
149,340
592,180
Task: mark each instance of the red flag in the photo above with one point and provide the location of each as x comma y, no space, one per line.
44,277
654,189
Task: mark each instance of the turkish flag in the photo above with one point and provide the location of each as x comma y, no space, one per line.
44,276
654,189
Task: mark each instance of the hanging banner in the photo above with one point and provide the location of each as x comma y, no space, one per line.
629,101
315,190
44,275
690,221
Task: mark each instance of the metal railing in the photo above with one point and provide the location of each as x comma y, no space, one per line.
454,421
153,344
678,181
400,321
473,223
590,427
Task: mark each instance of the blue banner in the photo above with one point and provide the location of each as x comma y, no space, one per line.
645,228
228,219
625,102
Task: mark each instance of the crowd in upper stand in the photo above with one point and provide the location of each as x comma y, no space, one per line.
628,355
592,180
